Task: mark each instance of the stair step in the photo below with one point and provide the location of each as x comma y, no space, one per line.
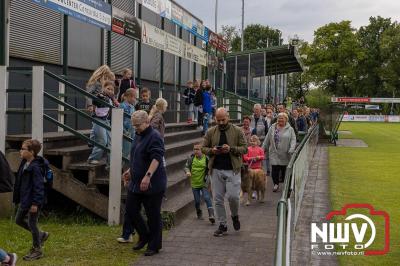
179,205
179,127
72,150
180,136
181,147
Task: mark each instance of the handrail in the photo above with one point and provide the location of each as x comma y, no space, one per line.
280,248
96,121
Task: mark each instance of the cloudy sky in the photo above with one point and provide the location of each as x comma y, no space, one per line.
299,17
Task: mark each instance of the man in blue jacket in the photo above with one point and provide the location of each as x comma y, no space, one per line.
147,183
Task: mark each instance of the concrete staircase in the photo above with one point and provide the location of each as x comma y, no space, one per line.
87,184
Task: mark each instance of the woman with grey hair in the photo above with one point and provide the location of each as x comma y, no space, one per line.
279,145
146,180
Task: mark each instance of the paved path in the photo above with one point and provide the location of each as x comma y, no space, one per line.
314,207
192,241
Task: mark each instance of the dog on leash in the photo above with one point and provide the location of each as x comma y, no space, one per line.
253,180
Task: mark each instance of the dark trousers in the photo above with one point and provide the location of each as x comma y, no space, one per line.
152,206
31,225
127,227
278,173
199,118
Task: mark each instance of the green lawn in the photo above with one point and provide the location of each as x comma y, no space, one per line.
369,175
70,243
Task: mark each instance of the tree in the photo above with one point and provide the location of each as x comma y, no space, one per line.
389,71
299,83
333,57
370,66
257,36
229,33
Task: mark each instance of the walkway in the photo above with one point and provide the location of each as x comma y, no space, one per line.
192,241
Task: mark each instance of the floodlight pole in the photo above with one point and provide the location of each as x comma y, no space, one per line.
216,16
242,42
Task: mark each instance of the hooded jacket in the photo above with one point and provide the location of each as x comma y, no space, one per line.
29,184
6,175
280,155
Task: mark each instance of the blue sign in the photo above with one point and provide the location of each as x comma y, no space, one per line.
95,12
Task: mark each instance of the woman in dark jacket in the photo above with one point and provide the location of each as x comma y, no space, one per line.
147,183
29,194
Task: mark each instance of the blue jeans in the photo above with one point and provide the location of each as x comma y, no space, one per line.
206,119
101,136
197,197
195,112
267,166
3,255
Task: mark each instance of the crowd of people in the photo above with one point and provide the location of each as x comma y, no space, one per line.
265,142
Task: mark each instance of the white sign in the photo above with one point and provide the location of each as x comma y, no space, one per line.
385,100
371,118
394,119
174,45
165,8
153,36
196,55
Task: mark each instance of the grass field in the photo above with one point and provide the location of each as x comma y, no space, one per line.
70,243
369,175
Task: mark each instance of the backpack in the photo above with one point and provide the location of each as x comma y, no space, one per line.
48,175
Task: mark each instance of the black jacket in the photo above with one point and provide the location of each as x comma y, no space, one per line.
6,175
147,146
29,184
198,98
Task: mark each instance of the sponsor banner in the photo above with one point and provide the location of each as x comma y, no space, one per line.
162,40
350,100
364,100
195,54
174,45
126,24
95,12
217,41
372,118
393,118
176,14
385,100
372,107
153,36
165,9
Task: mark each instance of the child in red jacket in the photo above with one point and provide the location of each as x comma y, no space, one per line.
255,154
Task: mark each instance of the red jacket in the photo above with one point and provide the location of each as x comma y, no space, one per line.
252,153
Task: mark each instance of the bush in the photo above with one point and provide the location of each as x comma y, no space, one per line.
318,98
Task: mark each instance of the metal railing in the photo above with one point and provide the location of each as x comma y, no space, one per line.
38,74
289,205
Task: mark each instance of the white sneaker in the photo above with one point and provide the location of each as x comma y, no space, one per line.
254,195
95,162
275,188
195,121
123,240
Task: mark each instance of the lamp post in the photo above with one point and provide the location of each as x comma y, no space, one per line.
242,42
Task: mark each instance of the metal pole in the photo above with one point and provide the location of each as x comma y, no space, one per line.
216,17
248,79
114,197
194,64
161,85
235,74
61,86
3,108
4,32
37,103
242,43
265,77
139,54
109,43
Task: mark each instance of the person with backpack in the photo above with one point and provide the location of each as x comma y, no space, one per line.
122,85
258,122
29,194
188,95
196,168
